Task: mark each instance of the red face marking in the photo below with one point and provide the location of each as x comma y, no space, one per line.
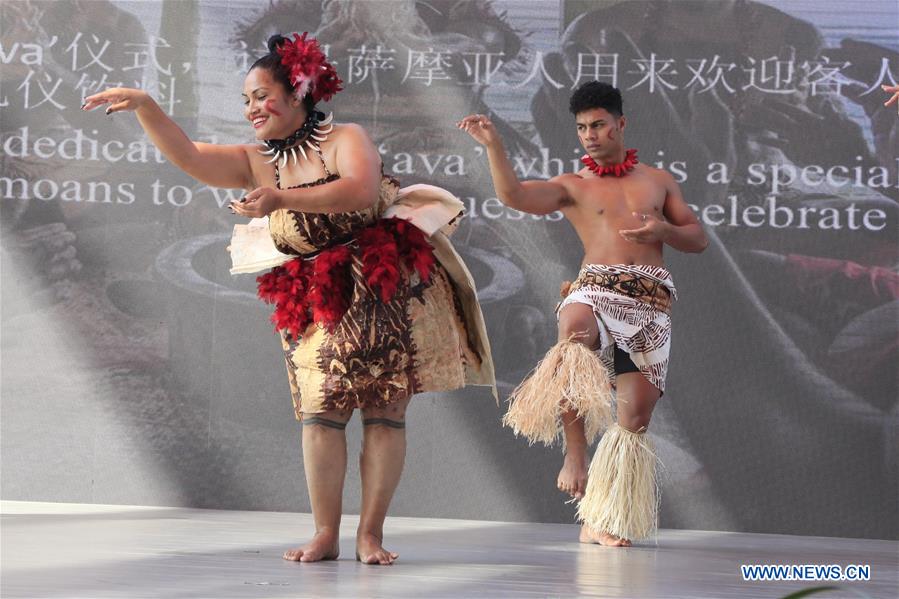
269,106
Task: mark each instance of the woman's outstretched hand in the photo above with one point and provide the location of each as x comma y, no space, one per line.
118,98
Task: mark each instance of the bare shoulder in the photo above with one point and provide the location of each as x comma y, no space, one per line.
257,161
566,179
568,182
662,176
253,152
348,139
349,132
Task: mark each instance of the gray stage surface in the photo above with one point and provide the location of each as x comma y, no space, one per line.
75,550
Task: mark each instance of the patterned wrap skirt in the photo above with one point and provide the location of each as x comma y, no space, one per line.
632,305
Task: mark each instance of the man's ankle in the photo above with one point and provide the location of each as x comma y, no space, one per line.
577,449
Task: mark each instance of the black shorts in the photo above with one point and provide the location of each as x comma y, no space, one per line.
623,362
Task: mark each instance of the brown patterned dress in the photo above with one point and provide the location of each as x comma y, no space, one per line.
380,352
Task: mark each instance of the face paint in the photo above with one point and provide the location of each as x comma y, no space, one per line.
269,106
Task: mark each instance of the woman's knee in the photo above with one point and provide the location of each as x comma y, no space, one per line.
392,416
330,420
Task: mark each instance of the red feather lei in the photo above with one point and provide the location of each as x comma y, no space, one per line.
320,290
618,170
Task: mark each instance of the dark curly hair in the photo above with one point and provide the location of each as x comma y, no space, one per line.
595,94
271,62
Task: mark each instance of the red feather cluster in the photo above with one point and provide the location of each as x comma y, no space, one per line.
330,287
319,290
414,249
310,71
618,170
380,260
286,286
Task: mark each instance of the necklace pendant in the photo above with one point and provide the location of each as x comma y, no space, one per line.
312,134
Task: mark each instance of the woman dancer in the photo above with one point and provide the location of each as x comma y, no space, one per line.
369,308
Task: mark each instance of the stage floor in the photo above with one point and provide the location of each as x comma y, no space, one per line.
69,550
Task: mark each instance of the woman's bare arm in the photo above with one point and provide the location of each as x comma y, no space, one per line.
213,164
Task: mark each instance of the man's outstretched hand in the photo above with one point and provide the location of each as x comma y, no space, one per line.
480,128
892,89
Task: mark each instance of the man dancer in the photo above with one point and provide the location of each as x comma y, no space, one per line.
614,320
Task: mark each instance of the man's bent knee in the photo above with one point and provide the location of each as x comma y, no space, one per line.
635,423
579,332
578,323
583,336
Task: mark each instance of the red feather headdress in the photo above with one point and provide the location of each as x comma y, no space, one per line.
310,71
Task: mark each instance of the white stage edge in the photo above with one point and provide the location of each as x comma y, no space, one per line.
76,550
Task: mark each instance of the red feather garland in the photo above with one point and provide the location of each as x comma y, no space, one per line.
327,296
319,290
380,260
414,248
285,286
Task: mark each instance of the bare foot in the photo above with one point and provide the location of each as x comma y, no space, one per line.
370,551
573,475
323,546
588,535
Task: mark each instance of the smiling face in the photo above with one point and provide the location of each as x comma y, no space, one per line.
600,133
271,109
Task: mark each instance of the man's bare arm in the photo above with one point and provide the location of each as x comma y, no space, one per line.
684,231
534,197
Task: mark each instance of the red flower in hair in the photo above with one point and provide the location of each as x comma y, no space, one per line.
310,71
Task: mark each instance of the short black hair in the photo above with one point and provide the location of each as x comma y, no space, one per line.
596,94
271,62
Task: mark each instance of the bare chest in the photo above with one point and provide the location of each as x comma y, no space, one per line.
614,199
